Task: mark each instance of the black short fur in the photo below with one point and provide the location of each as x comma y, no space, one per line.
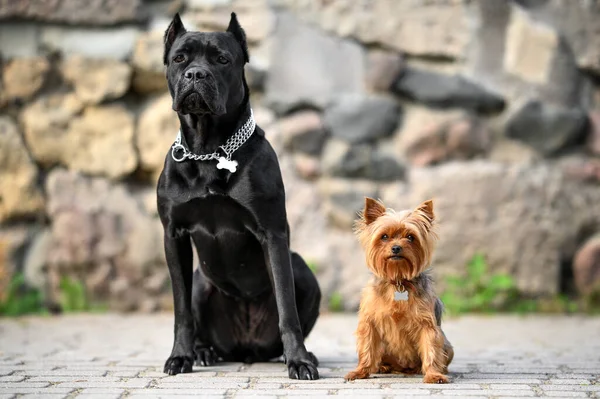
251,298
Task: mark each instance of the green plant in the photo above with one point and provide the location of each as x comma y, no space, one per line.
336,302
72,296
312,266
20,299
479,291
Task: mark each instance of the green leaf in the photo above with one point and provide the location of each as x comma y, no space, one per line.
502,282
477,267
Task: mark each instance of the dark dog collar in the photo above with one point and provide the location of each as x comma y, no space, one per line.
231,146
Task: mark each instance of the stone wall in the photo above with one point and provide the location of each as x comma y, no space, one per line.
490,107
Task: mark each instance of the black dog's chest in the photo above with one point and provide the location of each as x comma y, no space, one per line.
229,253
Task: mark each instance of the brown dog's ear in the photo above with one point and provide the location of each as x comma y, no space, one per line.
426,209
236,29
174,30
373,210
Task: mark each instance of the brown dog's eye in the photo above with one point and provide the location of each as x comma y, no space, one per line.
410,238
179,58
222,60
384,237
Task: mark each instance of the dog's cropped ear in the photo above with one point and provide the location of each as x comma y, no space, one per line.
373,210
426,210
174,30
239,34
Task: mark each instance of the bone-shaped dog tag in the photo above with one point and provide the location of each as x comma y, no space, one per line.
224,163
400,296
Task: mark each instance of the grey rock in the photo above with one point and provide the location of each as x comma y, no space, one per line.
444,91
382,69
112,43
304,132
522,55
341,159
91,12
546,127
424,28
578,22
19,39
344,198
309,67
384,165
359,118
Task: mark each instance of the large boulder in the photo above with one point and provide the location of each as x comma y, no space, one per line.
578,22
96,81
19,194
101,234
310,67
303,132
46,122
359,118
430,137
445,91
115,43
156,130
431,28
103,142
99,141
526,220
22,78
522,54
147,60
341,159
548,128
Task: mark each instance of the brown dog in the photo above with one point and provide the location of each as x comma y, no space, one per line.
399,327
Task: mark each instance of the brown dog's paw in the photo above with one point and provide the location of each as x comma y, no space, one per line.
385,369
435,378
356,375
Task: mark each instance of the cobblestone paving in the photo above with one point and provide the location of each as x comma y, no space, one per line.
121,356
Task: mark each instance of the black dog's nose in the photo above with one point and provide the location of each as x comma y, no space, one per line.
396,249
195,74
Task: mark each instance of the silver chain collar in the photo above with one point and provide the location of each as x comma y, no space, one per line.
231,145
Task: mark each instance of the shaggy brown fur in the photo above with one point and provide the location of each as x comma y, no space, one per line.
400,336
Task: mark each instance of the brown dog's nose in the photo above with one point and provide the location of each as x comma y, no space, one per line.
195,74
396,249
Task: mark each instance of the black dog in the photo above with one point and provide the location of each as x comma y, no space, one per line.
250,299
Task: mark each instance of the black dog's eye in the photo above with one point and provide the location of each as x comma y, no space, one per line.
384,237
410,238
179,58
222,60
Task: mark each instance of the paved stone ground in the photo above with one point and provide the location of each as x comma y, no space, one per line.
121,356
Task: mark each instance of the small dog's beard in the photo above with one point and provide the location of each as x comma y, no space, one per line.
410,264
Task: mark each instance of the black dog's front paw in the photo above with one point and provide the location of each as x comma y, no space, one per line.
205,356
303,368
178,364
